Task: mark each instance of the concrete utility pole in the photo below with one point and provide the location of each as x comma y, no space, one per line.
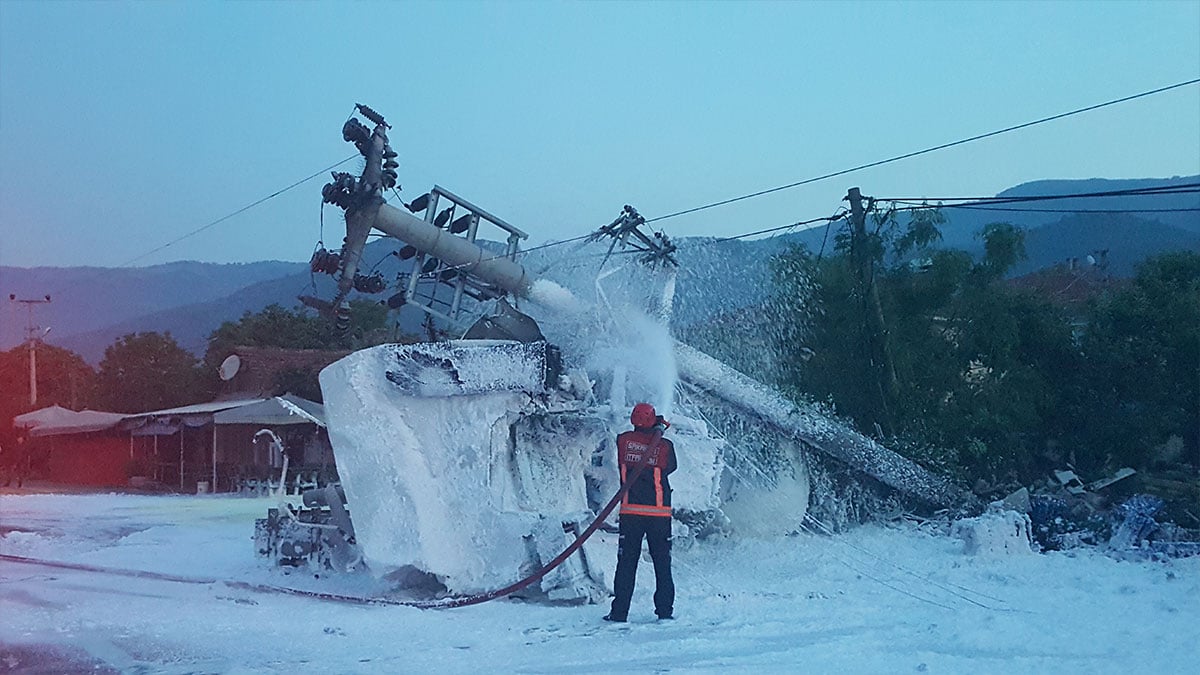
32,336
878,350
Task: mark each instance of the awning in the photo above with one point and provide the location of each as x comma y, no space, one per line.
276,411
58,421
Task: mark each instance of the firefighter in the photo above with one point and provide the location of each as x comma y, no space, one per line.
645,511
19,461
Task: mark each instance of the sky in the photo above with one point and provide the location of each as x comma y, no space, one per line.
125,126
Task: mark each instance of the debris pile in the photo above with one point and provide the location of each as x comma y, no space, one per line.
1066,513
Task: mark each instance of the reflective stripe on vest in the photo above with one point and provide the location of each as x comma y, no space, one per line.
635,509
645,510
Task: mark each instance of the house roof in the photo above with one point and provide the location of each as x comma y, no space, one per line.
1067,287
260,367
56,421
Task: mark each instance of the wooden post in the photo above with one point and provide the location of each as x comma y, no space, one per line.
883,370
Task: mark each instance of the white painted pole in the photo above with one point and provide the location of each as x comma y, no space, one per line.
214,462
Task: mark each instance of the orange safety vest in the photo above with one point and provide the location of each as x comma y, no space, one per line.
650,495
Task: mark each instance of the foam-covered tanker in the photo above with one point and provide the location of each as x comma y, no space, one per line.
469,463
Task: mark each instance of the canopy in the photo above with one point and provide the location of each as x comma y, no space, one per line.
275,411
57,421
279,410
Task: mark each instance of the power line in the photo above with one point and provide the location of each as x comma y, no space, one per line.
1182,188
211,224
827,219
245,208
1015,210
927,150
917,203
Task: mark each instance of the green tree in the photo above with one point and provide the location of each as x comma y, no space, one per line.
63,378
1141,382
275,326
148,371
980,369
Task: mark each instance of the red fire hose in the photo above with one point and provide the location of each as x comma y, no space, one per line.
464,600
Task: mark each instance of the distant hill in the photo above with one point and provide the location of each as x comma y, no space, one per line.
192,323
94,306
963,224
87,299
1128,240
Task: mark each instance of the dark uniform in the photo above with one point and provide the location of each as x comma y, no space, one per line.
645,512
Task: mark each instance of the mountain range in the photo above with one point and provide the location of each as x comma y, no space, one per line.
91,307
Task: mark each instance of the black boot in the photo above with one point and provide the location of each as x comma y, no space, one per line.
617,619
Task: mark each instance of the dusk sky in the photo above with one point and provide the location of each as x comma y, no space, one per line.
126,125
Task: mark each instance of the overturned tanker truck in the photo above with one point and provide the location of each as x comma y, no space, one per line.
470,463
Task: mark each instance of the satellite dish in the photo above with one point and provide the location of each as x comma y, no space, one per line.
229,367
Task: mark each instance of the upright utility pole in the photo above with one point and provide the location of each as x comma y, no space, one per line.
878,350
32,336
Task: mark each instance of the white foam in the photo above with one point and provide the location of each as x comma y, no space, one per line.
995,533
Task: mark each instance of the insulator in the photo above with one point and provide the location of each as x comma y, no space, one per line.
340,192
396,301
342,317
370,114
355,132
406,252
442,217
390,163
325,262
317,262
430,265
460,224
389,178
388,152
369,283
420,203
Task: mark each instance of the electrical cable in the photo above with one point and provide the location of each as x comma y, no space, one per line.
202,228
237,212
826,219
1015,210
1156,190
935,148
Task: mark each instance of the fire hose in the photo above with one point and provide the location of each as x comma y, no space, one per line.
440,603
475,599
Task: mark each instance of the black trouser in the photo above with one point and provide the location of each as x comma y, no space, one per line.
657,530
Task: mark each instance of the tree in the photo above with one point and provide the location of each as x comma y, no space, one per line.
63,378
1141,383
141,372
981,371
275,326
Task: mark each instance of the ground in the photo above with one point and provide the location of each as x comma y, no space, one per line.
878,599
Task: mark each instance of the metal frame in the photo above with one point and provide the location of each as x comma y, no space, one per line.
463,284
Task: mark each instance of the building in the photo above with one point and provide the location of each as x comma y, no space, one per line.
226,446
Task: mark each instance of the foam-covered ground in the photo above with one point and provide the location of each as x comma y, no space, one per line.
874,600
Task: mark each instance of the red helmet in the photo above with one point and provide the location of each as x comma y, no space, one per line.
643,416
